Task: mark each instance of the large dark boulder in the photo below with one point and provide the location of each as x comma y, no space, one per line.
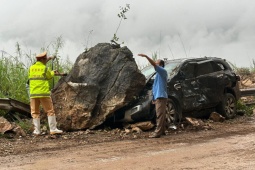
102,80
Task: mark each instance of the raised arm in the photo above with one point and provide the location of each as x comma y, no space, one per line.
152,62
50,58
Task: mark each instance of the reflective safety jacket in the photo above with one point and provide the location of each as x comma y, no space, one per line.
39,77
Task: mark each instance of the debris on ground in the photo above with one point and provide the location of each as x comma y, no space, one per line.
148,125
5,125
10,127
197,124
216,117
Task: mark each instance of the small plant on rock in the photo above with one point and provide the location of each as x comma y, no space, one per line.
121,15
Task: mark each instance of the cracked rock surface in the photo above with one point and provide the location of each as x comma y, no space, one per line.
102,80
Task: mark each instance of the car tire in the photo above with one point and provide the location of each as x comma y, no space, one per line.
227,107
172,115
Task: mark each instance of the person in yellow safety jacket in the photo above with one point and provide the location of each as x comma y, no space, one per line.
39,76
27,83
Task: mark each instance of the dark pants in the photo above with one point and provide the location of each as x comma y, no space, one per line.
160,105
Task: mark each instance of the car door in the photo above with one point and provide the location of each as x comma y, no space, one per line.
210,80
189,87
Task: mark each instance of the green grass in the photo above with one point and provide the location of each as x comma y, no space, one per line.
14,75
14,70
26,125
248,110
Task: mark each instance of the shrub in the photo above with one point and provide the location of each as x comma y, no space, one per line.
14,70
26,125
247,109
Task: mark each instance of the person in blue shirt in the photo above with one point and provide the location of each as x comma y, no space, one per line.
160,96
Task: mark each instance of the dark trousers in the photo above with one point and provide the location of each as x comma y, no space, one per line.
160,105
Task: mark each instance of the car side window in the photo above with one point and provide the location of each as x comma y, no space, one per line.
188,70
208,67
221,66
204,68
216,67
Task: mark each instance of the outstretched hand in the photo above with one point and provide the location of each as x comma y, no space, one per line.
50,58
142,55
149,59
53,57
56,72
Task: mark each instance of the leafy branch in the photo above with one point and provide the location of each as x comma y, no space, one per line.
56,46
121,15
86,48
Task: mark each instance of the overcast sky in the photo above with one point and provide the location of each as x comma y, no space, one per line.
171,28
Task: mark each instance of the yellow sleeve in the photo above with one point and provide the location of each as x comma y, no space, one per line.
49,74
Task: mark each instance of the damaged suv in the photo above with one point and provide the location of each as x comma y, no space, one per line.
194,86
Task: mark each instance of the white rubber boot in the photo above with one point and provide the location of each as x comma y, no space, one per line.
53,125
37,130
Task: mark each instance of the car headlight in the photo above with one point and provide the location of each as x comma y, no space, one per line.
135,109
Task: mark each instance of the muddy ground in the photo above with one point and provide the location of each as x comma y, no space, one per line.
216,145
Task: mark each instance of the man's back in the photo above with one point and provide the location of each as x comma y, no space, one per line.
160,83
38,78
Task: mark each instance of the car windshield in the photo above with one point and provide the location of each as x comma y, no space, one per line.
170,66
147,71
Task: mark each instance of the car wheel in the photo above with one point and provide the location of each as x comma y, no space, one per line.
227,107
172,115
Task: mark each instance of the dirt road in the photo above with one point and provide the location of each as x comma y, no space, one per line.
228,145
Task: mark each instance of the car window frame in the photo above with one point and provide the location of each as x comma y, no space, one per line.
214,67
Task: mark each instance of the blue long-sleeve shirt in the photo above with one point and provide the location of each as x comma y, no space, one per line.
160,83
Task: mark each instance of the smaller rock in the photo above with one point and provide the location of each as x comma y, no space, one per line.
137,130
192,121
198,124
89,132
5,125
143,125
216,117
19,131
127,131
